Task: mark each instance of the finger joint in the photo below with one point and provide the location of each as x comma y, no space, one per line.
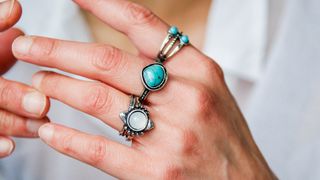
140,15
96,151
98,100
106,58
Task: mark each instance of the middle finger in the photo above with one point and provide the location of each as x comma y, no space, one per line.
96,61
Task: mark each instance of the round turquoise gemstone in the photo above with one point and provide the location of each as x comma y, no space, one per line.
174,30
185,39
154,76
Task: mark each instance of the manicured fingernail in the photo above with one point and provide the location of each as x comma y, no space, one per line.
46,132
5,9
34,103
22,44
33,126
37,78
6,146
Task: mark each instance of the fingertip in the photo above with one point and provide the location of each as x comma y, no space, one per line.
11,13
21,46
35,103
6,146
46,132
36,83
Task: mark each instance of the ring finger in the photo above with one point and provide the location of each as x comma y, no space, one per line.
95,98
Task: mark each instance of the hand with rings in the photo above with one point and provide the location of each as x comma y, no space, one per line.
174,104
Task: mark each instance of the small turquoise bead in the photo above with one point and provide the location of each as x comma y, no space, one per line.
154,76
185,39
174,30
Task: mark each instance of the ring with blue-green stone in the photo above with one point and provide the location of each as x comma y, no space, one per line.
154,77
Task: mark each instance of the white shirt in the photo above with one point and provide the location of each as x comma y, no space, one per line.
270,53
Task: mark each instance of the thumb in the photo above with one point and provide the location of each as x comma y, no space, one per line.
7,59
10,13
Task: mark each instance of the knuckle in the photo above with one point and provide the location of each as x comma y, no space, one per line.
98,100
171,172
45,47
216,70
211,71
96,151
6,121
188,142
8,93
67,143
139,14
201,100
106,58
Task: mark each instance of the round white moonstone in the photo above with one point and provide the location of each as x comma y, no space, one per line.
138,121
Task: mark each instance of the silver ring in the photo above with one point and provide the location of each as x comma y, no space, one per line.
136,120
155,76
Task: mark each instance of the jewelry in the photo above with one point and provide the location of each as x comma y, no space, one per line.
136,120
154,76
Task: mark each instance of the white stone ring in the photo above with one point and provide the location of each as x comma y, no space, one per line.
136,120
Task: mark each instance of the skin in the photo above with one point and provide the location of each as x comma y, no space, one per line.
15,119
199,132
176,12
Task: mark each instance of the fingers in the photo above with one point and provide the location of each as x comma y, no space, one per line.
100,62
147,32
6,57
14,125
10,13
144,28
94,98
22,100
6,146
111,157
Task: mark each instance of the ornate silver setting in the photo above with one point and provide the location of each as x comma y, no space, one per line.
172,44
136,120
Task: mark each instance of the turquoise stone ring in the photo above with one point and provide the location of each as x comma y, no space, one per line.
154,76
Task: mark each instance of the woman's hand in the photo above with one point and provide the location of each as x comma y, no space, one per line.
21,106
199,131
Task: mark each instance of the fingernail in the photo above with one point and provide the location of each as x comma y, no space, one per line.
34,103
6,7
46,132
6,146
37,78
22,44
33,126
